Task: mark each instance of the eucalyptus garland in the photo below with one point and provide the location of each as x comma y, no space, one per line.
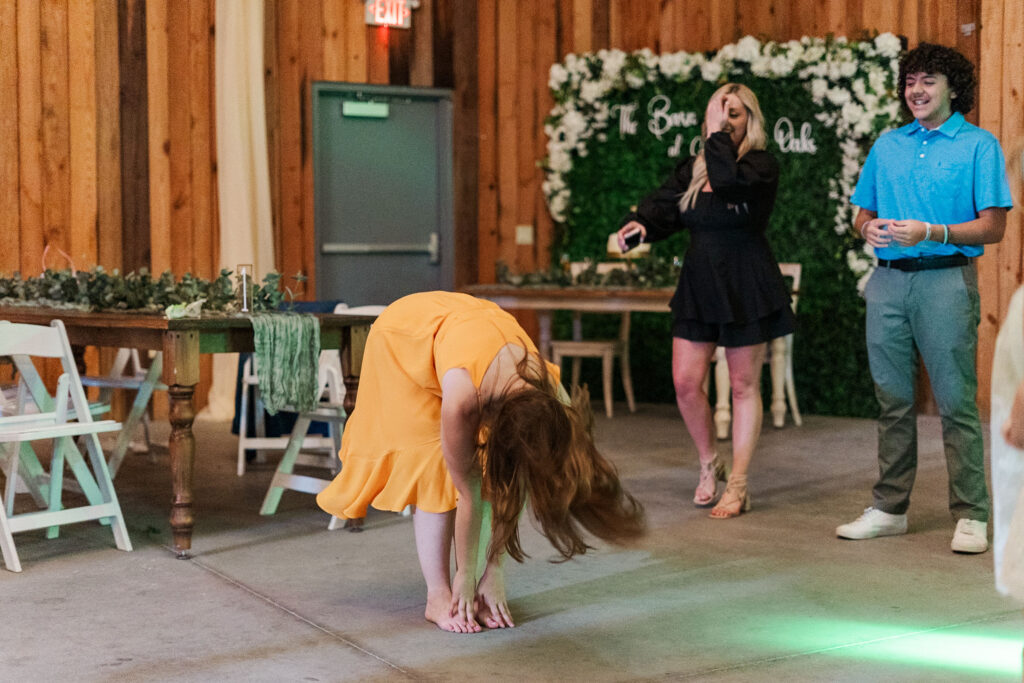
100,290
649,272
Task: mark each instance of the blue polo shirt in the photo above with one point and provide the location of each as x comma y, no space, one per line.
946,175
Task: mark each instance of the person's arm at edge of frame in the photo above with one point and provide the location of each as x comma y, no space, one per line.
459,426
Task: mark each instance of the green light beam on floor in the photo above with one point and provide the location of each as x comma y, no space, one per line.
924,647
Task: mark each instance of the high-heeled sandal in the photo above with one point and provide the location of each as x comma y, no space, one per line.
714,471
735,492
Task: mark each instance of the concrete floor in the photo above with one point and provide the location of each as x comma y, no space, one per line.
772,595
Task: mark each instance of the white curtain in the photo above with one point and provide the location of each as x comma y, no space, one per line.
243,176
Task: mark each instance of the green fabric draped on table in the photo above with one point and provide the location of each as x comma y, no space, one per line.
287,360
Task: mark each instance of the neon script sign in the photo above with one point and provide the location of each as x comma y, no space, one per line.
393,13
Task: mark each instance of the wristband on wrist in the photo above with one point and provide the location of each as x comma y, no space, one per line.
863,236
927,232
945,234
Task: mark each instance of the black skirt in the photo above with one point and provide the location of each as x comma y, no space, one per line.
732,334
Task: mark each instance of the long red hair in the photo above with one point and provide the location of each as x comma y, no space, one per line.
541,449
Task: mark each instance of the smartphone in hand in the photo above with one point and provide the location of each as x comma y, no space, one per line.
633,239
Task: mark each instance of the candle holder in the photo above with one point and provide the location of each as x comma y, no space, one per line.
245,280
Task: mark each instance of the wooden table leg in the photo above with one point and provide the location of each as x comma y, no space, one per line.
182,449
181,374
353,342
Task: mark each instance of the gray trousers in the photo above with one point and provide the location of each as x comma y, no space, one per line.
934,313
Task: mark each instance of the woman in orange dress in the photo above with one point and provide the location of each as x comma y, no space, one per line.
456,407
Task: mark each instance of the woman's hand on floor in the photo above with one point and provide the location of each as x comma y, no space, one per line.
492,605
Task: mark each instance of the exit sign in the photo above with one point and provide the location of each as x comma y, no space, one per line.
394,13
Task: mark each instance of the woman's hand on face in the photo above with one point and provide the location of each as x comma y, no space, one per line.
715,115
463,607
627,229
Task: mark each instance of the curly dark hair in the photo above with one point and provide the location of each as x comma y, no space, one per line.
939,59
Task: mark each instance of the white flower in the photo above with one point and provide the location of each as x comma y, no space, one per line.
851,113
818,70
747,50
573,125
559,160
591,91
878,80
794,51
762,66
856,262
612,63
557,76
887,45
557,204
838,96
814,53
710,71
634,80
863,127
847,68
647,58
782,66
674,64
726,53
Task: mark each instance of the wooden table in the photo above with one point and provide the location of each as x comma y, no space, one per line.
546,300
182,341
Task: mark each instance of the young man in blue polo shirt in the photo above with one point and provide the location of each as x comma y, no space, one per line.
930,195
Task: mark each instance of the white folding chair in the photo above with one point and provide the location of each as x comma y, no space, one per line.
780,364
250,388
127,373
59,419
605,349
331,411
261,442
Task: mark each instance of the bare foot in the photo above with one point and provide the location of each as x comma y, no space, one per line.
485,617
439,612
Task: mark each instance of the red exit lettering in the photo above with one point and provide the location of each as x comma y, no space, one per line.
395,13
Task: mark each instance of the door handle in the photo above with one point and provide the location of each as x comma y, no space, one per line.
431,248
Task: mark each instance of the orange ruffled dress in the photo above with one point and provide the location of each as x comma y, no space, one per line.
391,446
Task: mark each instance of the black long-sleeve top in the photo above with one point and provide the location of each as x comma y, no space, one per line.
729,273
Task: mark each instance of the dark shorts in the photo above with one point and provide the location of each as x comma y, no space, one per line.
777,324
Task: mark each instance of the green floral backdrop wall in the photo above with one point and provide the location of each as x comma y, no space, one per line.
623,120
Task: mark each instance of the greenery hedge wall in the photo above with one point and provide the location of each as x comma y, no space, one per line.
616,170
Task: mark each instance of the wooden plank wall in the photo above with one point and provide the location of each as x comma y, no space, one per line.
112,175
71,178
313,40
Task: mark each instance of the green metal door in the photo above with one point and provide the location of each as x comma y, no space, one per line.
382,169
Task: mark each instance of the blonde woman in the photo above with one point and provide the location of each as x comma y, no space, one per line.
730,291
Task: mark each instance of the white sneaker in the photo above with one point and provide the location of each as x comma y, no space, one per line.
971,536
873,523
